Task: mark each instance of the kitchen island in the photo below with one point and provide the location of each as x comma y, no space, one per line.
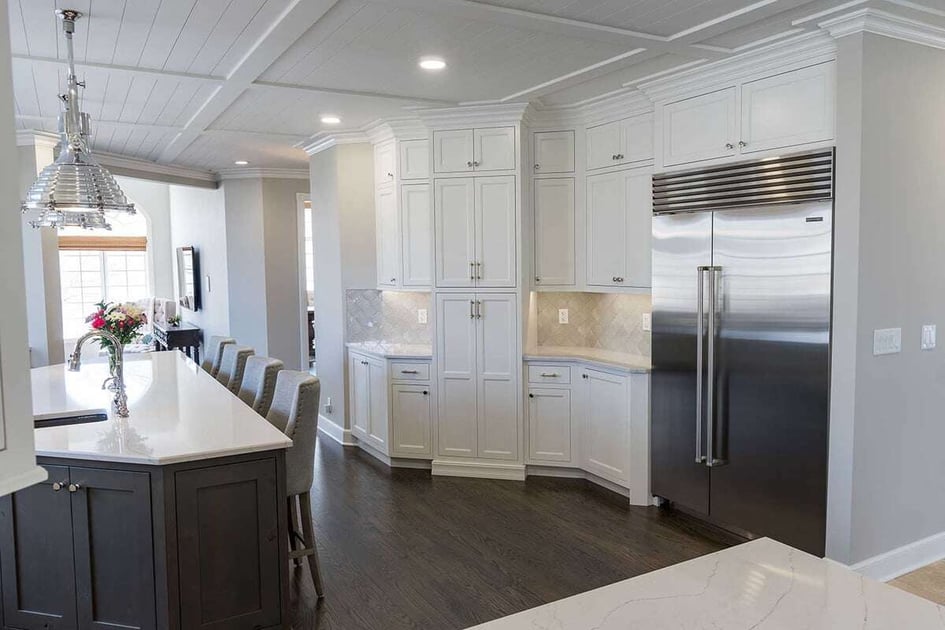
170,518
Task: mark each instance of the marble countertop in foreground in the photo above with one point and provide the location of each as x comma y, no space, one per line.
606,358
760,585
387,350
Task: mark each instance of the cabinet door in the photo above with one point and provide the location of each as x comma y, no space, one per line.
603,145
228,546
414,159
498,365
554,231
636,137
554,152
606,229
495,231
454,207
456,375
360,395
384,164
411,427
114,551
377,388
639,207
549,424
453,151
606,443
700,128
36,557
417,238
494,149
789,109
387,235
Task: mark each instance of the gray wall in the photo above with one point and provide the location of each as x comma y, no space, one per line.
246,267
342,185
153,200
889,260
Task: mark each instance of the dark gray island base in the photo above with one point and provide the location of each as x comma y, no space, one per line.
114,545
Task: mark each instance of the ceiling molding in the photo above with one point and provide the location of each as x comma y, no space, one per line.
327,139
886,24
311,89
262,173
395,129
119,70
571,78
474,115
146,169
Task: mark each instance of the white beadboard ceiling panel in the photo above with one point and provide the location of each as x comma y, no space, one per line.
216,151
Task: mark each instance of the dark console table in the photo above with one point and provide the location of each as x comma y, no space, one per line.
185,337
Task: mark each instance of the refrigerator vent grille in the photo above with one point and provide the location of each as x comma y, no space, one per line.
784,179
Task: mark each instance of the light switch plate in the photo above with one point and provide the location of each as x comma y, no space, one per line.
887,341
562,316
647,322
422,315
928,337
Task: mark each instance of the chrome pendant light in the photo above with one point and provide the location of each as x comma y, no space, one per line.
74,191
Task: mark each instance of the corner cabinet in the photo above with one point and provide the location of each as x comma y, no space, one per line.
618,214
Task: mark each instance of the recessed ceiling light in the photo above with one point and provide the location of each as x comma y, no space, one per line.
331,120
241,162
432,63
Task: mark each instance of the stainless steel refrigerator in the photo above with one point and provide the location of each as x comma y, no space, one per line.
742,259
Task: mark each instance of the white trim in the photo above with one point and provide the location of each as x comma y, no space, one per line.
883,23
335,432
327,139
576,473
135,167
300,199
902,560
478,470
494,115
31,138
260,173
25,479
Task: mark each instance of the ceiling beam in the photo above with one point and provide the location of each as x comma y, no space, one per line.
291,24
120,70
312,89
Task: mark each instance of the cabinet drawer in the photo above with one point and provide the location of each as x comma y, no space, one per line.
549,374
401,371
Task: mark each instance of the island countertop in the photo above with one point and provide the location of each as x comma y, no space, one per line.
179,413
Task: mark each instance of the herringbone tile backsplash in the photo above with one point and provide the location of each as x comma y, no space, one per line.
386,316
609,321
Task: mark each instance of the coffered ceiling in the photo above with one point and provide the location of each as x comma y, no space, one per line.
204,83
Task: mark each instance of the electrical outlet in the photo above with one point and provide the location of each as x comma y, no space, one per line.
328,407
562,316
647,322
887,341
928,337
421,315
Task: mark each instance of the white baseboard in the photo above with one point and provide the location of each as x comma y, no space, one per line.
902,560
478,470
337,433
577,473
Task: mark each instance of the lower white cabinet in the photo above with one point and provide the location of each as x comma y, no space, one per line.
411,420
606,435
549,424
368,378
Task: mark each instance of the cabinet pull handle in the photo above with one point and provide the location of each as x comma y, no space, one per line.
409,372
620,156
472,271
472,307
613,157
729,146
478,271
549,375
58,485
74,487
478,309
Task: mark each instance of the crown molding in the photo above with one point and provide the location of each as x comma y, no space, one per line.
395,129
262,173
887,24
32,138
473,115
327,139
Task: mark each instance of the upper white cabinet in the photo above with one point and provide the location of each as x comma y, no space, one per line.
554,231
414,159
554,152
619,211
468,150
416,217
620,142
387,233
384,163
789,109
474,222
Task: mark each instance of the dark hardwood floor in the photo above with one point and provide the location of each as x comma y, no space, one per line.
400,549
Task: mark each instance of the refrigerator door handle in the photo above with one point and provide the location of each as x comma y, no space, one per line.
700,372
714,290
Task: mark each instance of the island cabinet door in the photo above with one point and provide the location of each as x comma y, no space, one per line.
38,574
228,552
114,553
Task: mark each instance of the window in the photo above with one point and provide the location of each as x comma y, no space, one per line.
309,255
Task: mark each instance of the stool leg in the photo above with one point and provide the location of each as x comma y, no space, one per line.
294,543
308,533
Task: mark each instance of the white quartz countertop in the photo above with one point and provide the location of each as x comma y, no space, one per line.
760,585
592,356
387,350
179,413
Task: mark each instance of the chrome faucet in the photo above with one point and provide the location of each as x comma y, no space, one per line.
117,382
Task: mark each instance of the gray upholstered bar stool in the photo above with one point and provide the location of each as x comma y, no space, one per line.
214,353
295,412
259,383
232,365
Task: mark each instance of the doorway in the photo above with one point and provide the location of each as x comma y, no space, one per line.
306,283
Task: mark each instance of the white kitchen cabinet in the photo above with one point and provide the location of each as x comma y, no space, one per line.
387,233
605,442
554,231
554,152
416,214
700,128
384,164
411,421
369,417
474,221
549,424
788,109
477,375
414,159
467,150
618,228
620,142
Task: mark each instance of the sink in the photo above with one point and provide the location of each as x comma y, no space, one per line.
69,419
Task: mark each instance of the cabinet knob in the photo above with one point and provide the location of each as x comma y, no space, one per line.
613,157
531,395
393,280
74,487
537,279
729,146
620,156
426,393
58,485
476,164
742,144
538,167
583,375
469,164
390,175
